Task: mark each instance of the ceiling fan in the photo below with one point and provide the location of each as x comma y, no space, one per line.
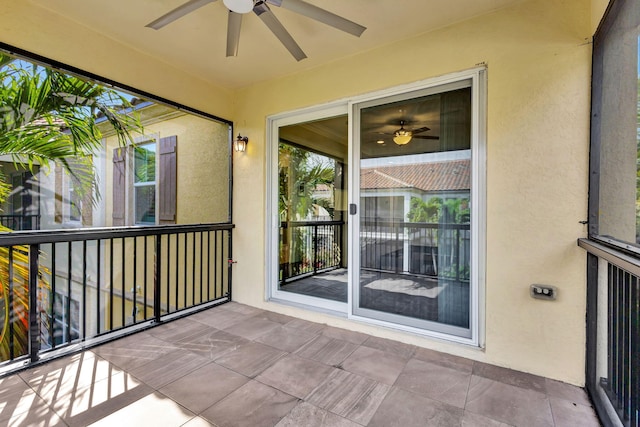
403,136
260,7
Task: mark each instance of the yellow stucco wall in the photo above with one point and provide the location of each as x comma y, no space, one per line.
538,59
202,164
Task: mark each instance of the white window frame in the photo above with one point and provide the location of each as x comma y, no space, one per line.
477,76
132,185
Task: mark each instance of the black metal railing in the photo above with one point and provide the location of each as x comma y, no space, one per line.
62,288
613,332
430,249
309,247
623,347
20,222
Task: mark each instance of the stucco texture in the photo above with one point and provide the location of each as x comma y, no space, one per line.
538,59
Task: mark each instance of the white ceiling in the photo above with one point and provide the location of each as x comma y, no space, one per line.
196,43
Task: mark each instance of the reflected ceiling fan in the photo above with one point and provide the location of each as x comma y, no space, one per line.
403,136
261,8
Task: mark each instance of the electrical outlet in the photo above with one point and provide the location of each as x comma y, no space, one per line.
547,292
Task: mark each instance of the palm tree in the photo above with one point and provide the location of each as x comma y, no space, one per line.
47,116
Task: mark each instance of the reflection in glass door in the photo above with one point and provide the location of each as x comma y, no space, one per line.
311,209
414,228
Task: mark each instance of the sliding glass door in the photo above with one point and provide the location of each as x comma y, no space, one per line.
413,228
376,207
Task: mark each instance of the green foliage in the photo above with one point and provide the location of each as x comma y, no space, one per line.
46,116
300,172
436,210
19,318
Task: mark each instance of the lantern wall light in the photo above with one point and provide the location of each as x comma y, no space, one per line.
240,144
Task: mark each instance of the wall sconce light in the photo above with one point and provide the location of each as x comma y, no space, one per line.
240,144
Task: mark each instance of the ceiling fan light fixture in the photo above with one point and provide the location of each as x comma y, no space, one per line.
239,6
402,137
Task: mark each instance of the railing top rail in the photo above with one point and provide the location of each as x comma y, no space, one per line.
611,255
286,224
81,234
391,223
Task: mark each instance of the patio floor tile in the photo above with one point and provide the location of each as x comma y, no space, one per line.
448,361
86,405
213,344
474,420
295,375
286,339
327,350
567,392
307,415
404,351
267,369
344,335
375,364
134,350
168,368
152,410
435,382
569,414
405,409
252,327
509,376
250,359
349,395
254,404
507,403
204,387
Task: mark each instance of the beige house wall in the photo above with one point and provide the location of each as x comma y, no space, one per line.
202,164
537,55
538,58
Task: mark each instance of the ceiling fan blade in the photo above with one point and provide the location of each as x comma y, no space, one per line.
321,15
420,130
233,33
425,137
177,13
270,20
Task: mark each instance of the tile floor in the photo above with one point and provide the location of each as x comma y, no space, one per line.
235,365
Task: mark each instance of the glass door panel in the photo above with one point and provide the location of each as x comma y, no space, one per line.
311,209
414,229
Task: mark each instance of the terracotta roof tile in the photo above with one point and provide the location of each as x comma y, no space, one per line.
434,176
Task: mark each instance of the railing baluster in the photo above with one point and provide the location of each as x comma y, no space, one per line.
67,304
215,264
98,283
209,266
134,309
169,272
84,290
193,269
12,309
67,314
52,298
157,269
634,321
185,264
146,265
110,327
122,283
34,325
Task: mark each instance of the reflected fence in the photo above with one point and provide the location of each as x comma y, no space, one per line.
428,249
309,247
64,290
425,249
